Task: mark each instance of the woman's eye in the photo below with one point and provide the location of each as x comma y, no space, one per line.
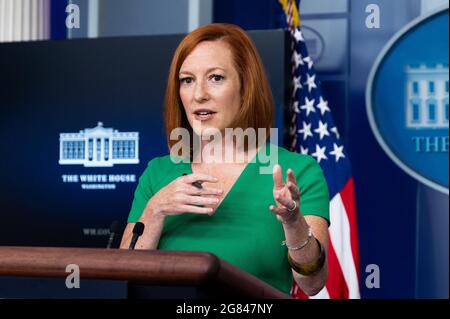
216,77
186,80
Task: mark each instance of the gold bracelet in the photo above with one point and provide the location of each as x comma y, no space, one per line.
311,268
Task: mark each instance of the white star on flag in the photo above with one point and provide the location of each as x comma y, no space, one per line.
308,106
335,131
337,151
323,106
298,59
298,35
303,151
322,130
320,153
297,84
310,82
309,61
306,130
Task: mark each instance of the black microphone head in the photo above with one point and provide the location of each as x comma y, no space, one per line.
115,227
138,228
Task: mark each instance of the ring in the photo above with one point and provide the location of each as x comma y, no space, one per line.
293,208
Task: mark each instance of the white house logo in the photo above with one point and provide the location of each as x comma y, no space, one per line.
98,147
427,97
407,99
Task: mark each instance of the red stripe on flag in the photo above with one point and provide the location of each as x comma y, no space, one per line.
348,200
297,293
336,285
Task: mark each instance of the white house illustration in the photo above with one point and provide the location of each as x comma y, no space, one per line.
99,147
427,96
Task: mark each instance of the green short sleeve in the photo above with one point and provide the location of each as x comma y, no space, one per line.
143,192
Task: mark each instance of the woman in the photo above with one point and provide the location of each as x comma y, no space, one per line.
217,80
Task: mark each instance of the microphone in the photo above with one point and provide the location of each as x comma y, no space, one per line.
113,230
138,229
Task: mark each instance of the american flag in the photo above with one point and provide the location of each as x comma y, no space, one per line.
312,132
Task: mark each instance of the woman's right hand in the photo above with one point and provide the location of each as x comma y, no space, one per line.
179,197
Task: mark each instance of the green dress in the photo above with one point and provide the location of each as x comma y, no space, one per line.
243,231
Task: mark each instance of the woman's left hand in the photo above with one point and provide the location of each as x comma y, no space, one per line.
287,196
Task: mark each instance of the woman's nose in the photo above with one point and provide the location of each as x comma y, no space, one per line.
201,92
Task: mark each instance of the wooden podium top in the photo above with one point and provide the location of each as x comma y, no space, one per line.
152,267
